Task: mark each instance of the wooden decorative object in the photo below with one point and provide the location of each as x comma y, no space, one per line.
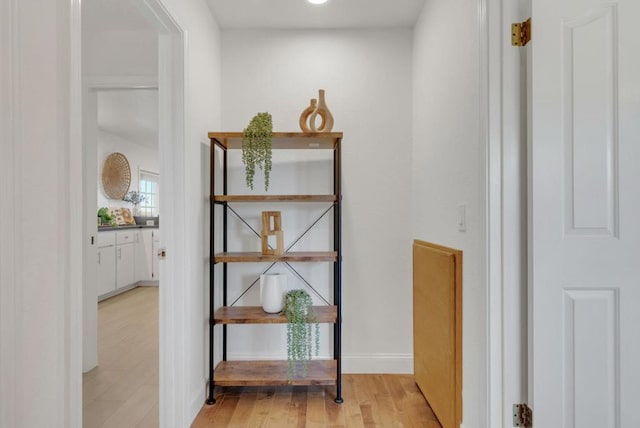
323,111
310,114
437,329
116,176
272,226
304,117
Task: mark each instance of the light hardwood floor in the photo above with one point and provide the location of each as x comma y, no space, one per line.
122,391
385,401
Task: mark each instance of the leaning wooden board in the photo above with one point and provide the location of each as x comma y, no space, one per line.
437,329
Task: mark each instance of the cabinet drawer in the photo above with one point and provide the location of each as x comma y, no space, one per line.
106,239
125,237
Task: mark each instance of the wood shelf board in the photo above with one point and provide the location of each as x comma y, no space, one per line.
257,257
255,315
274,198
261,373
283,140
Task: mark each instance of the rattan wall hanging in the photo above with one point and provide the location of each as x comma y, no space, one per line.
116,176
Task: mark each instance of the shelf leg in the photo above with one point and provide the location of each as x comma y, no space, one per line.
211,399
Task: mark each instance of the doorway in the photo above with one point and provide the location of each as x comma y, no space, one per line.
167,81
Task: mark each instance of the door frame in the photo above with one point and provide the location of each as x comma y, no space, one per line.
506,376
91,85
173,349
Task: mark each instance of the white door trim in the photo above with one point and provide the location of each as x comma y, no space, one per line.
490,95
75,228
173,347
10,295
491,125
505,249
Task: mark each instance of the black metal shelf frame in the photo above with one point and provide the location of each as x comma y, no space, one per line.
337,265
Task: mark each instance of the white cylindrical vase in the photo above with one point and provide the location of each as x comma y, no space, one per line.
273,287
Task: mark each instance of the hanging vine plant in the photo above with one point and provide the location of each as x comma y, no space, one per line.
302,339
256,148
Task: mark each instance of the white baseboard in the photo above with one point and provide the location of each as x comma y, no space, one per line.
378,363
197,402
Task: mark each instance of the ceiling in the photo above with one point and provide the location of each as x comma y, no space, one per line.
113,15
299,14
131,115
124,15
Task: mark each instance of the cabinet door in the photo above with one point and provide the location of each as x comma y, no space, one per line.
106,280
125,262
143,250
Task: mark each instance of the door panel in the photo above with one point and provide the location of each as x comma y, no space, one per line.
584,211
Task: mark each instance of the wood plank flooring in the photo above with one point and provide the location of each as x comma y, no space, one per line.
369,401
123,390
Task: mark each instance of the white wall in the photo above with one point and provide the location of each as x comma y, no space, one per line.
38,247
40,383
448,169
367,78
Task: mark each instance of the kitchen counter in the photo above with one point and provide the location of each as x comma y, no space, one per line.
126,227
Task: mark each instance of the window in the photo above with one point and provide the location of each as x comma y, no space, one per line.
149,187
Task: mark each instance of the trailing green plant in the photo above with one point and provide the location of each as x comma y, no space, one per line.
301,337
256,148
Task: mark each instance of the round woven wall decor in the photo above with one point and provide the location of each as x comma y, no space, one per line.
116,176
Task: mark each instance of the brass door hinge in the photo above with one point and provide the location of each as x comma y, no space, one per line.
522,415
521,33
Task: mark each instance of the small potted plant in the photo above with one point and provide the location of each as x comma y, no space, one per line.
106,219
301,337
256,148
136,198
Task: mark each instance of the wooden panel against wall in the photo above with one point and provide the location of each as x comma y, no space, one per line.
437,329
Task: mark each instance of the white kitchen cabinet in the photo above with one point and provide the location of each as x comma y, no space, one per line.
144,255
106,269
125,258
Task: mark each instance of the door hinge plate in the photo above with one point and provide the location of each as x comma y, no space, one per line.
521,33
522,415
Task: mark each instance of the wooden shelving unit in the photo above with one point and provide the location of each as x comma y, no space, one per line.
255,315
260,373
274,198
253,257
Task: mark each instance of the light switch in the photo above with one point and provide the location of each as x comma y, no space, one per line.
462,218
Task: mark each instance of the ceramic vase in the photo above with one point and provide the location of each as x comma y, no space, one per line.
273,287
321,110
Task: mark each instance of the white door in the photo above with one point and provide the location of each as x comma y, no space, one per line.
585,214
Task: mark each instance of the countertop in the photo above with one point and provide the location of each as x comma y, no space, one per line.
126,227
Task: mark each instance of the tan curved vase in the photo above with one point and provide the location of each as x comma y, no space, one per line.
304,117
323,111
